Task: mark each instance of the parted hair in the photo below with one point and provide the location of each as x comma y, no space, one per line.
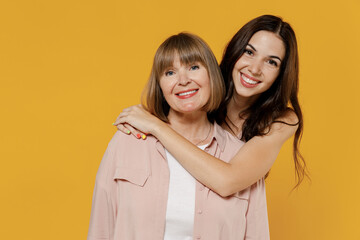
280,98
190,49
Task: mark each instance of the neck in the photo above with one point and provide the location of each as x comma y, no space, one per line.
239,103
195,127
236,106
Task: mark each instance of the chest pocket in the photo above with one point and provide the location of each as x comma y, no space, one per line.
134,176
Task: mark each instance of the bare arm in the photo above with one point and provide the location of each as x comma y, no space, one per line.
250,164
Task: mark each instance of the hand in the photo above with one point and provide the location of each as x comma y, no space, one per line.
128,129
137,121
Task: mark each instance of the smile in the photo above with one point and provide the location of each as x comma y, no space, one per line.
187,94
247,82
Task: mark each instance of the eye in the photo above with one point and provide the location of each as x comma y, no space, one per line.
249,52
273,63
169,73
194,67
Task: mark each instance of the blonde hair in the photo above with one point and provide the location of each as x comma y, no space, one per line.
189,48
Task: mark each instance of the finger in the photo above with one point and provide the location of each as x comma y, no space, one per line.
121,119
116,120
124,111
138,134
123,128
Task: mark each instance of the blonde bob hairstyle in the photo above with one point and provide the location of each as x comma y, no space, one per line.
190,49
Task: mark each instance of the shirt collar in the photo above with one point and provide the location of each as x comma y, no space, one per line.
219,135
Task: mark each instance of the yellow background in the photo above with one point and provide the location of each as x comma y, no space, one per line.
67,69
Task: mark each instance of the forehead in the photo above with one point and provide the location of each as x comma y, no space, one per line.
268,43
178,56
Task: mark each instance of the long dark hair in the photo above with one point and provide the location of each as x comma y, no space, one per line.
274,102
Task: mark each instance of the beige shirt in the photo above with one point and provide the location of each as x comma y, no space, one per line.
131,189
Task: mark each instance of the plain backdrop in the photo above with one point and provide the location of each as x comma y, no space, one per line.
67,69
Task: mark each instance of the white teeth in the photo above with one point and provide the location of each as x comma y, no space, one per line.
187,93
247,80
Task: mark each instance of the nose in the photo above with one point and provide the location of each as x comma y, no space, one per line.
255,67
183,78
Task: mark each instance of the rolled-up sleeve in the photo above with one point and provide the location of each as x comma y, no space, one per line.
257,218
103,210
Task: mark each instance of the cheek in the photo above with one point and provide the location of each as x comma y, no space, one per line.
239,63
208,89
206,80
272,76
203,80
166,86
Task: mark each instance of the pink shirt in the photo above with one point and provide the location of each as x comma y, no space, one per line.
131,189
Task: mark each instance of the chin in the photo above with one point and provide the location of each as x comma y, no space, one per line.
243,92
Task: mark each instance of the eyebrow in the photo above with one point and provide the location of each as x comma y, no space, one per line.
272,56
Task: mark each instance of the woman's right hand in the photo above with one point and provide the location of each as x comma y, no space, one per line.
137,121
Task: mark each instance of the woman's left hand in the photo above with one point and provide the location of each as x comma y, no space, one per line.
137,121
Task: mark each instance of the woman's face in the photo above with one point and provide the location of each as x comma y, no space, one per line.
259,66
186,88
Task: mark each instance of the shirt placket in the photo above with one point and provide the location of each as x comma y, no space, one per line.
201,195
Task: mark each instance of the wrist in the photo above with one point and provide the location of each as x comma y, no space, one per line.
158,127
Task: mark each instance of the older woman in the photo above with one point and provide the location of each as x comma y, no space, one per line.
261,73
141,191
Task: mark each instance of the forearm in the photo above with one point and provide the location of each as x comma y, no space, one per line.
223,178
199,163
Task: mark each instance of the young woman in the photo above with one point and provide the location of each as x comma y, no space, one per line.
260,70
141,191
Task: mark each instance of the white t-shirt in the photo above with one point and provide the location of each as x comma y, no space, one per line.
181,202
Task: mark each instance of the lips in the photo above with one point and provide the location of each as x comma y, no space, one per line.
247,81
187,94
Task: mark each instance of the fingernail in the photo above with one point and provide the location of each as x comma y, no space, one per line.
138,135
128,131
143,136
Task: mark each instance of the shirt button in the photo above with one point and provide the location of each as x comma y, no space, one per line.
199,211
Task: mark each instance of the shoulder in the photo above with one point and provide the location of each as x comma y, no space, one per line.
126,151
119,137
123,151
123,142
229,142
232,140
290,117
286,125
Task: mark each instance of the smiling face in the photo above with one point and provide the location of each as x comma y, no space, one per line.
257,69
186,87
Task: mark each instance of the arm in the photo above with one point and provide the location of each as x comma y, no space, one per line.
103,210
250,164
